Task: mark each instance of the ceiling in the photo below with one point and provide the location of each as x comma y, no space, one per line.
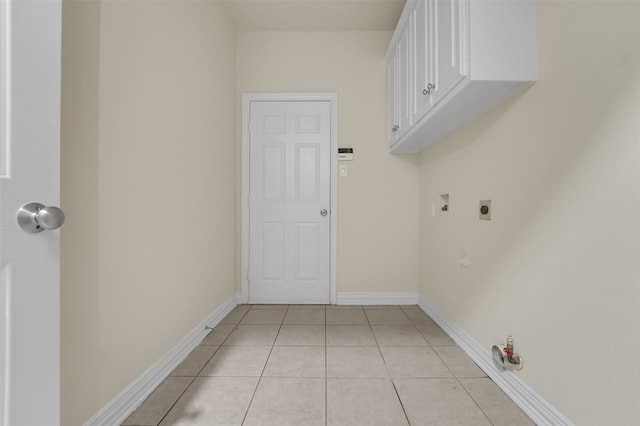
315,15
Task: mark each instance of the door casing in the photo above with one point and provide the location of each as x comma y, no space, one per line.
247,98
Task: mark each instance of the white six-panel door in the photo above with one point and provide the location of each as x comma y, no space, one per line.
30,34
289,202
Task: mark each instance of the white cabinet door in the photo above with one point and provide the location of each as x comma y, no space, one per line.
405,84
290,195
449,44
393,103
29,172
422,23
400,85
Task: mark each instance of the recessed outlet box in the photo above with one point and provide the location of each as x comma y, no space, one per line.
442,207
485,210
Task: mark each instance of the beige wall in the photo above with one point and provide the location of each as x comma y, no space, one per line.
148,148
557,266
79,199
377,201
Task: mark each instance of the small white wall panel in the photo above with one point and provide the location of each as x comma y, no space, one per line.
273,173
307,173
307,251
273,255
273,123
308,123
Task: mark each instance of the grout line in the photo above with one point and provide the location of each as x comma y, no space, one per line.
406,416
473,399
193,379
255,391
326,371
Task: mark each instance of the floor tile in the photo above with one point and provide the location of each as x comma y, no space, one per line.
264,316
381,307
350,335
193,363
339,307
398,335
281,365
236,315
414,362
296,361
268,306
459,362
243,307
304,316
218,335
346,317
410,308
417,316
288,402
435,335
387,317
156,406
366,402
438,402
309,306
237,361
355,363
253,335
301,335
501,410
213,401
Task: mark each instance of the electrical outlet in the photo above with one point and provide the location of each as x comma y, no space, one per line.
485,210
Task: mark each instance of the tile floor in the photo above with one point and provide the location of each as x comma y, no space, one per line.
327,365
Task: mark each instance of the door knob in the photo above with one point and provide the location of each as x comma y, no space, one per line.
323,212
35,217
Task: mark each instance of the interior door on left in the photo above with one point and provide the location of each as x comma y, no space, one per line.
30,73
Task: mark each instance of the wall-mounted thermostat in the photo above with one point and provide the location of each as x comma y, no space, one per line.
345,154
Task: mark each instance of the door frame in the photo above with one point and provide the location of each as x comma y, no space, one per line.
332,98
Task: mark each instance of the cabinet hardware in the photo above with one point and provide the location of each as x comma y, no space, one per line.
430,88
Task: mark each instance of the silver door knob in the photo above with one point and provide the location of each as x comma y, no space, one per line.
35,217
323,212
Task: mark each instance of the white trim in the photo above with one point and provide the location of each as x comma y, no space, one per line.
537,408
5,88
378,298
127,401
332,98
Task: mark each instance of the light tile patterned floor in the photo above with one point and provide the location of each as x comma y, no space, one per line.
311,365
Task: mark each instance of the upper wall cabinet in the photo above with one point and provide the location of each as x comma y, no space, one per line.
451,60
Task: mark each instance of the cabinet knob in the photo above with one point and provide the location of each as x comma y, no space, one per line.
430,88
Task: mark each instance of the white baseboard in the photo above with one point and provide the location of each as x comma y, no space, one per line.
116,411
378,298
536,407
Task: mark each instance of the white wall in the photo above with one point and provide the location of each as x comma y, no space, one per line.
377,201
558,265
148,153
